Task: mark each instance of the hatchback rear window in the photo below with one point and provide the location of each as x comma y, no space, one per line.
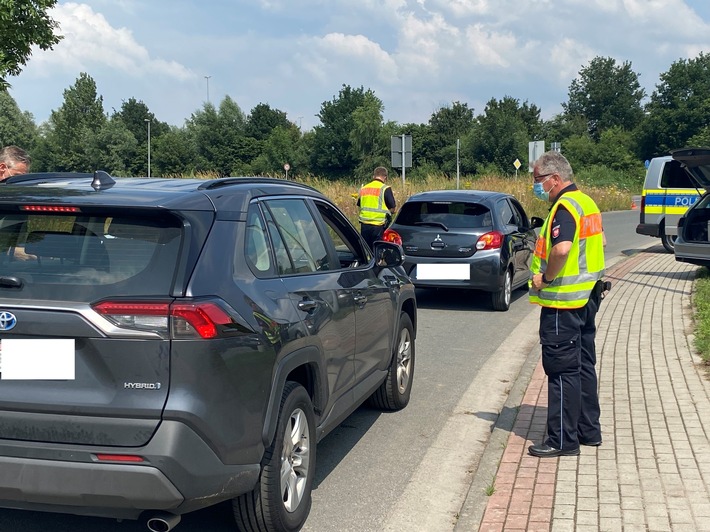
450,214
84,258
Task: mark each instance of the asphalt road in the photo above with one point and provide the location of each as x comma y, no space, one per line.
411,469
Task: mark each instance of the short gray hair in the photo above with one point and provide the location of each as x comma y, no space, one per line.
553,162
12,155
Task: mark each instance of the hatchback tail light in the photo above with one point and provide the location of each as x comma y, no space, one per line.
181,320
491,240
390,235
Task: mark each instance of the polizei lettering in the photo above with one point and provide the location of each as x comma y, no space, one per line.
141,385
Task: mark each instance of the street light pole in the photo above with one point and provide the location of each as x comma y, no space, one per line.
208,88
147,120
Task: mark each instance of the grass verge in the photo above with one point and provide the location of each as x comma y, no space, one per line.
701,303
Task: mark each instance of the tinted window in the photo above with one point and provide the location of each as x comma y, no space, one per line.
346,241
85,258
448,213
674,176
256,243
301,248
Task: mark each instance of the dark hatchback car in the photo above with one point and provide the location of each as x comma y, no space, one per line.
168,344
693,243
473,239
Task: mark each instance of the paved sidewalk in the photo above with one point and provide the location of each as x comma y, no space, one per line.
652,473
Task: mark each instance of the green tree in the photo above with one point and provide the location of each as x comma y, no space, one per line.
446,125
369,136
16,127
174,154
74,126
502,135
263,120
114,149
220,140
281,147
607,95
23,24
332,153
679,107
134,115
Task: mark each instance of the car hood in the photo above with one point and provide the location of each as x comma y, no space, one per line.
696,162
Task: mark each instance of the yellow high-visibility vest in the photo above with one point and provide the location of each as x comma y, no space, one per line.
372,203
585,262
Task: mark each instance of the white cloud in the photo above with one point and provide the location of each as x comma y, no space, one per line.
91,42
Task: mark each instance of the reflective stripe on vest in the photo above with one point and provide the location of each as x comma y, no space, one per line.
372,203
585,263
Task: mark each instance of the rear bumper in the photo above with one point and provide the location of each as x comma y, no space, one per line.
486,273
180,473
648,229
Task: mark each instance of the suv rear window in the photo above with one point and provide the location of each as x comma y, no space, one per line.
85,258
450,214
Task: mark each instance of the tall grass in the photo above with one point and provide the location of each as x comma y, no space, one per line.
608,198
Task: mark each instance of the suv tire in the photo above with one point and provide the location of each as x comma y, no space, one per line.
281,500
668,241
394,392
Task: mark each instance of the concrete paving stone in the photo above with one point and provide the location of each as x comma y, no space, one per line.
491,527
609,524
587,480
608,475
609,510
564,498
516,522
629,491
658,524
563,511
586,518
632,518
631,503
700,509
609,497
543,526
544,489
518,507
679,517
588,504
543,501
655,506
563,525
523,483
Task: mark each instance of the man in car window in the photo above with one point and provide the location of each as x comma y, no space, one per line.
13,161
566,282
377,204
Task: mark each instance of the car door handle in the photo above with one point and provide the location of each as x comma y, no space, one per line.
307,305
360,300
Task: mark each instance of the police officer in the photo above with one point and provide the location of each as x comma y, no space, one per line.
376,202
566,282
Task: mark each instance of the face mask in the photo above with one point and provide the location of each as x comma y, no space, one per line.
540,192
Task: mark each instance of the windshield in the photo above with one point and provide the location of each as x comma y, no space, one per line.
446,213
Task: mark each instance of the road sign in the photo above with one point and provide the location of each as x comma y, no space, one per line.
535,149
287,167
397,141
517,163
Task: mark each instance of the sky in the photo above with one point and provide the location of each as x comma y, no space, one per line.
417,56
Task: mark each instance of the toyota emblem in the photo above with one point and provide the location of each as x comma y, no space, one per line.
7,321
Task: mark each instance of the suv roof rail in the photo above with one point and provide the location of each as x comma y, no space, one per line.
225,181
99,179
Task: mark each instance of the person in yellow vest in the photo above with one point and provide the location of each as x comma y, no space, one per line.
567,270
377,204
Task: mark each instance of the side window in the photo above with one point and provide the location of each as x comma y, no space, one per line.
506,213
520,215
674,176
344,237
295,227
256,243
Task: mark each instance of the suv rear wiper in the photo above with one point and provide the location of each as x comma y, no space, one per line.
434,224
10,281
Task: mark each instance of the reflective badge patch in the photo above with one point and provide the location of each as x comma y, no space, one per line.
556,231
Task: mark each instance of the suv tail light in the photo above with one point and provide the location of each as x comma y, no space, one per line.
491,240
179,319
390,235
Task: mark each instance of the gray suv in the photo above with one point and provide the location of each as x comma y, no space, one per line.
169,344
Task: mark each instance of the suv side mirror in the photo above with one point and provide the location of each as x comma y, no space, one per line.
388,255
536,222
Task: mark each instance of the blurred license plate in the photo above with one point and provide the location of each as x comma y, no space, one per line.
443,272
31,359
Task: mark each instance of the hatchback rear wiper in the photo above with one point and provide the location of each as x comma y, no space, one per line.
10,281
435,224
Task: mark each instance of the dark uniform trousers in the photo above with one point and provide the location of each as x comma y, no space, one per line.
371,232
569,358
